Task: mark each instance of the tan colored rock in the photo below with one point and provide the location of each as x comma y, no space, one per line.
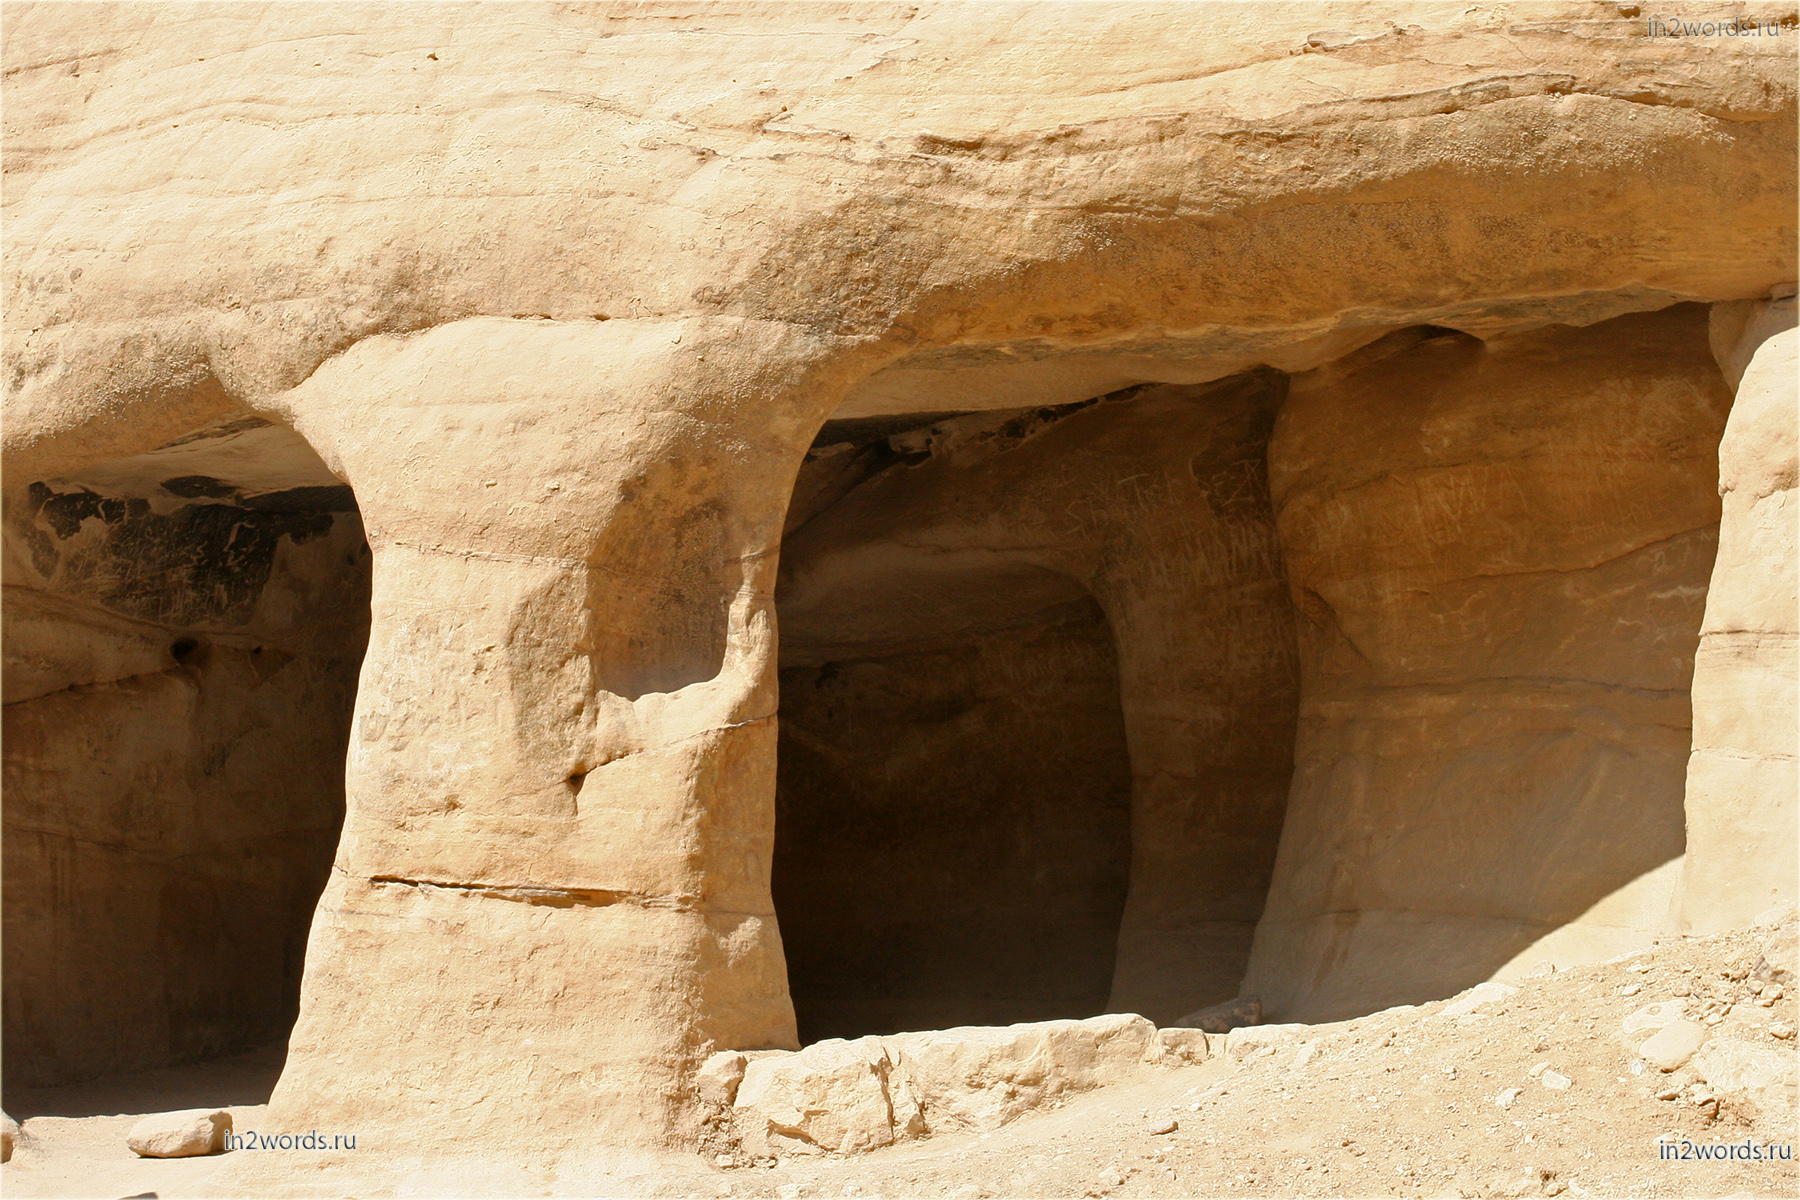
1670,1047
1182,1047
1254,1041
834,1095
185,1134
9,1136
719,1076
1492,544
1758,1081
976,1080
1636,1027
569,346
1743,827
1779,962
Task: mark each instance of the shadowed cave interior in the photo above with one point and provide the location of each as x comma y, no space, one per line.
184,632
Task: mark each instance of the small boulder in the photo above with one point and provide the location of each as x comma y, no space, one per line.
1183,1047
184,1134
1671,1046
832,1096
976,1079
1223,1018
1251,1041
719,1076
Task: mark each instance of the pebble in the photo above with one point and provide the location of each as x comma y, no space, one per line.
1630,989
1162,1125
1509,1096
1554,1081
1782,1030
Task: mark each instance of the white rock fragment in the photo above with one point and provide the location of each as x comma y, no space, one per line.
1646,1021
1509,1096
719,1076
1479,996
1555,1081
1672,1045
183,1134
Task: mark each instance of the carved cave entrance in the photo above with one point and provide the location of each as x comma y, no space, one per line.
953,818
184,633
1037,703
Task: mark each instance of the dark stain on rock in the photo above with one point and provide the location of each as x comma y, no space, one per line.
205,563
192,487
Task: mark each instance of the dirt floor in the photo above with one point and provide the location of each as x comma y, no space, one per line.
1402,1103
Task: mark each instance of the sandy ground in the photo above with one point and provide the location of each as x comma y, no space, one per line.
1396,1104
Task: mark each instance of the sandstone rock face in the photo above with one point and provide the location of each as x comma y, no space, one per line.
1742,822
1500,551
569,343
180,1134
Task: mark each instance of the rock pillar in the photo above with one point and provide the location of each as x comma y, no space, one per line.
551,897
1742,855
